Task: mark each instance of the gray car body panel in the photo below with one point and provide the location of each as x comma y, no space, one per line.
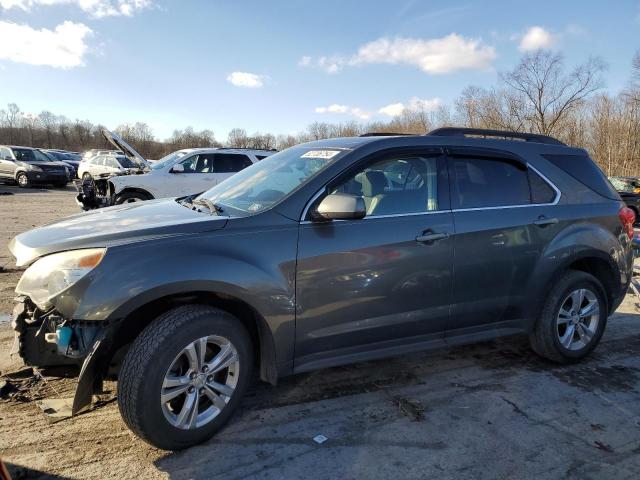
348,290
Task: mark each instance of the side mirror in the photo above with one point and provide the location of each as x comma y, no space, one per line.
340,206
7,158
177,168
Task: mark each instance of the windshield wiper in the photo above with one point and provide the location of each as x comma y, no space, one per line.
213,208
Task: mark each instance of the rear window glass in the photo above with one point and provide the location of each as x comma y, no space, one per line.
481,182
583,169
541,191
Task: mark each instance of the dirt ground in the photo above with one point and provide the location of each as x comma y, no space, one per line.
491,410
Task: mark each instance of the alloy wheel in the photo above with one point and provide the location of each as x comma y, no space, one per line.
578,318
200,382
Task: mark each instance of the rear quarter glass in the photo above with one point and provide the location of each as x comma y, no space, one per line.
584,170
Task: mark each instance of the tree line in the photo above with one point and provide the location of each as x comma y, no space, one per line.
540,95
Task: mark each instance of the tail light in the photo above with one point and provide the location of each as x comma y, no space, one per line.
627,218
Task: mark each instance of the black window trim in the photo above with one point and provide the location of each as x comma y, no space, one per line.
502,156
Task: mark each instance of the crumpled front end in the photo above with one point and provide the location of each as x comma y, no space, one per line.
94,193
47,339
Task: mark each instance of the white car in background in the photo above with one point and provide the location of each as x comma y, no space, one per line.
181,173
101,166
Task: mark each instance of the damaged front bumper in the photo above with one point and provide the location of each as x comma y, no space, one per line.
93,193
46,339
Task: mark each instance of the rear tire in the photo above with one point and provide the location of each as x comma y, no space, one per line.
572,320
160,361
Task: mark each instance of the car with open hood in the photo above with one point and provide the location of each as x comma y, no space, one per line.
184,172
327,253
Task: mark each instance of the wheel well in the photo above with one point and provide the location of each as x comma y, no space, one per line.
141,191
600,269
133,324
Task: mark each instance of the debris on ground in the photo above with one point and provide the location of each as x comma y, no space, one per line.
320,439
412,409
23,385
603,446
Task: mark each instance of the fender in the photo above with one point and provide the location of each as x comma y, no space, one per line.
574,243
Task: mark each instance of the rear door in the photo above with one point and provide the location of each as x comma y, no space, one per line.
375,285
503,219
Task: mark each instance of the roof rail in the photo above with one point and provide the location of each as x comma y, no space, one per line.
383,134
482,132
250,148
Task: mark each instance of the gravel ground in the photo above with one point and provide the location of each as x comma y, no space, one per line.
491,410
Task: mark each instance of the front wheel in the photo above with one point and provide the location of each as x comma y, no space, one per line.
184,376
130,197
23,180
572,320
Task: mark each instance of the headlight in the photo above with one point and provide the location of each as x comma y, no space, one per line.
53,274
34,168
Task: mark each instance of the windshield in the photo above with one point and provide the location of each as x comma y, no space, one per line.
28,155
168,160
263,184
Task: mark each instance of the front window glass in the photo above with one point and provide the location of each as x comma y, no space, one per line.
265,183
168,160
396,185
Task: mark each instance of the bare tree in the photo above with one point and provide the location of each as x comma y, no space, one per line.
551,95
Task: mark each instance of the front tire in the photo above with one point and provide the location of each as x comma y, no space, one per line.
22,179
131,197
572,320
184,376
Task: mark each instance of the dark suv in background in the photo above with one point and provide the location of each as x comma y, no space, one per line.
29,166
629,190
327,253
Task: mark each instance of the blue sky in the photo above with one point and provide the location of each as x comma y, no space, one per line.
277,66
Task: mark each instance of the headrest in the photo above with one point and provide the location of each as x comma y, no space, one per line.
373,183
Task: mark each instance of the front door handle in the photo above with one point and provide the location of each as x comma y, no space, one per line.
431,237
543,221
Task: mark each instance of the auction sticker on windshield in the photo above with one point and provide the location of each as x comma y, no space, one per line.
321,154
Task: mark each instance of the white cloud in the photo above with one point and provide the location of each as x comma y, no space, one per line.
305,61
415,104
392,110
344,109
63,47
95,8
246,79
536,38
434,56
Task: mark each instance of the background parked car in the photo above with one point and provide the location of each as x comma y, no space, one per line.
181,173
27,166
629,190
69,158
105,165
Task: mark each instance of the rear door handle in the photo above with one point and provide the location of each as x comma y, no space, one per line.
543,221
431,237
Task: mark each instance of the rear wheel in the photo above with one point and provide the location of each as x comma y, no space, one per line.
184,376
23,180
572,320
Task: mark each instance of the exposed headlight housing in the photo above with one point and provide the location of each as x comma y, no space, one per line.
53,274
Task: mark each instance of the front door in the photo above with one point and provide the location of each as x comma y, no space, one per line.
367,287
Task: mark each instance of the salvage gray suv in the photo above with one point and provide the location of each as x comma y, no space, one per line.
327,253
